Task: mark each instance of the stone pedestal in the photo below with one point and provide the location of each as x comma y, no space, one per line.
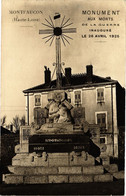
32,168
60,158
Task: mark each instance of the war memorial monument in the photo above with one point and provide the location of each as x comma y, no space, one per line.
61,145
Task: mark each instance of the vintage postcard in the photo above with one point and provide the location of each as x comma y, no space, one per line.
63,96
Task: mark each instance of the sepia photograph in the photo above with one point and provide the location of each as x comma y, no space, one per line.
62,97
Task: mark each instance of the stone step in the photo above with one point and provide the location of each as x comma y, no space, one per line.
39,170
32,170
112,168
119,175
42,179
103,178
93,170
53,159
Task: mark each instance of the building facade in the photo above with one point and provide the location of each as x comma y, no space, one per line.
101,102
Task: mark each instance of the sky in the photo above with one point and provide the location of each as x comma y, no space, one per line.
24,53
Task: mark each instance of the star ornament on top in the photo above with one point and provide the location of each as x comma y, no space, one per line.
57,30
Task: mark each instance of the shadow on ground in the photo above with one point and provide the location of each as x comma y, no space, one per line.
106,188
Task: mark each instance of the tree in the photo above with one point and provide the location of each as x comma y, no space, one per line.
3,121
17,122
22,120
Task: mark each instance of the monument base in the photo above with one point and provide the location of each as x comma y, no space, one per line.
79,167
59,158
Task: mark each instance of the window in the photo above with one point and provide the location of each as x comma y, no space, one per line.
100,95
37,100
39,115
102,140
77,96
101,120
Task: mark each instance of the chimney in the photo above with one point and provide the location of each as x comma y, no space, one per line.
89,69
108,77
47,76
68,75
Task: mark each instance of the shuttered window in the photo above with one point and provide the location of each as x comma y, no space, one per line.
77,96
37,100
100,95
101,120
40,115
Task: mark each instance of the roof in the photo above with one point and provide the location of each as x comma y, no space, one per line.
77,80
4,131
